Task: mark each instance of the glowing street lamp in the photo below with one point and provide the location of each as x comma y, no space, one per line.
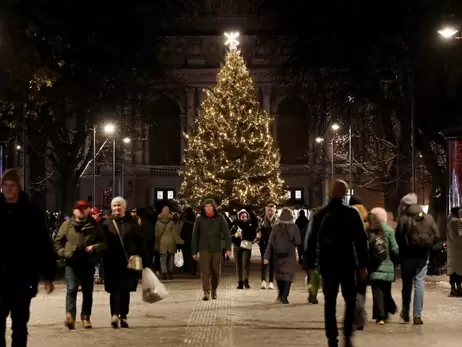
448,32
109,129
335,127
319,140
126,140
18,147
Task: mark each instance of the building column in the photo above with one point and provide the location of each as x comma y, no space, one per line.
183,130
189,121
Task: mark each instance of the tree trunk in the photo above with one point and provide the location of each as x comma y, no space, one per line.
69,194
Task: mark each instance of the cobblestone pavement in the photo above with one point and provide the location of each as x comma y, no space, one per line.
241,318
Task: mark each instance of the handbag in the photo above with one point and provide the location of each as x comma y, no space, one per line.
135,262
246,244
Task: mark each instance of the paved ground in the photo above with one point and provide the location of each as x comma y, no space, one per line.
242,318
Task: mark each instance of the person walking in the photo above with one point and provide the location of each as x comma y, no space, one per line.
416,234
243,234
80,241
266,224
210,229
338,245
383,250
302,223
167,239
186,235
125,245
26,253
454,244
284,238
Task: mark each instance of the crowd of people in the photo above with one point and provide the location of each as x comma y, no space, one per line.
340,245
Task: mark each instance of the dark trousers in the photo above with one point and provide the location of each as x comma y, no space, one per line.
264,267
283,289
156,261
331,283
189,263
242,258
455,281
19,308
383,301
83,276
210,266
120,304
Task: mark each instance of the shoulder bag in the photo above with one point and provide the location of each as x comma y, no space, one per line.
135,262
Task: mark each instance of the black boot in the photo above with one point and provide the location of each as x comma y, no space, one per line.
312,299
246,284
240,285
284,300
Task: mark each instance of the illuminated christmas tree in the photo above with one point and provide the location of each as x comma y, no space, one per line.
231,155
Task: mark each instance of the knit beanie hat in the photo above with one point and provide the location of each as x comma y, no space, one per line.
286,215
13,176
409,199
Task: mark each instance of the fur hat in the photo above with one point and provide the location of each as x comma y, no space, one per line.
380,213
238,215
287,215
12,175
120,200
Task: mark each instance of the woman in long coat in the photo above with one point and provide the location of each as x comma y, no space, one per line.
281,248
123,242
454,243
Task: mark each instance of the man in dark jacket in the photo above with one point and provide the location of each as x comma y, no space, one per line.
26,253
302,224
337,244
80,241
210,229
414,226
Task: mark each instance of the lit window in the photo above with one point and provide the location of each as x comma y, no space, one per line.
160,195
298,194
170,195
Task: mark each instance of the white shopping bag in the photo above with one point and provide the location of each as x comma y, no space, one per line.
153,289
179,260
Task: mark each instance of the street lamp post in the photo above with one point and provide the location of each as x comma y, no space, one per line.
334,128
350,148
110,129
94,166
126,141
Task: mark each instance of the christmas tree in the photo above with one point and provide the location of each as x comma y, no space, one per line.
231,155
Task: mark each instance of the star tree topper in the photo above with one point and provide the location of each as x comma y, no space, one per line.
232,40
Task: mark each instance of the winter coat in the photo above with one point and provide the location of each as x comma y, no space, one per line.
73,238
403,229
454,244
345,224
166,229
286,236
26,250
386,269
117,277
249,230
210,232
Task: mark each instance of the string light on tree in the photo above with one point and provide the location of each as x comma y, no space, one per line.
232,40
231,154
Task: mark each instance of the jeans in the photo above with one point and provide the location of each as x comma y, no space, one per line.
120,304
166,263
331,283
284,289
242,258
19,308
413,271
264,267
83,276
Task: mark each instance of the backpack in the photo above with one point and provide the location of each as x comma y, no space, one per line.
420,231
283,245
378,248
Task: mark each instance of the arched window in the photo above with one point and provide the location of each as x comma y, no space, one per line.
293,131
164,132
